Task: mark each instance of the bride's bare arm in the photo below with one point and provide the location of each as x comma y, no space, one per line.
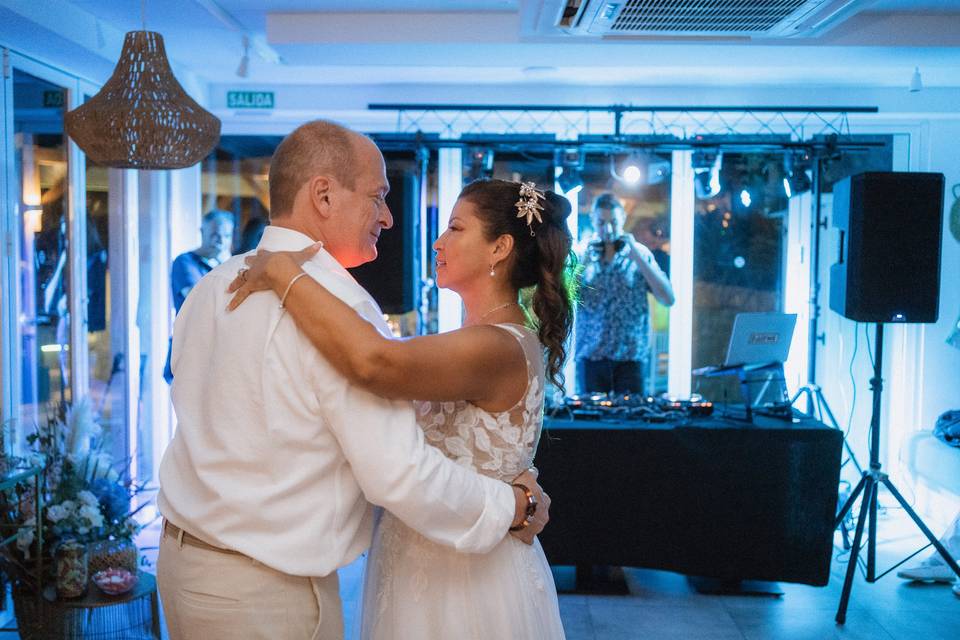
480,363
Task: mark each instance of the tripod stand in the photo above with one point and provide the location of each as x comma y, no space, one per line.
869,485
818,408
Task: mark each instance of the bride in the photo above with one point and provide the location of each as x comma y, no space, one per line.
478,395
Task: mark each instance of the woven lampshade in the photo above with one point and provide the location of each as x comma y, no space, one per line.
142,118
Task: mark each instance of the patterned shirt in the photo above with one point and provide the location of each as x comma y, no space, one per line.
612,320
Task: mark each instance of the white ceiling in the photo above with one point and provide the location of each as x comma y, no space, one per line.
481,42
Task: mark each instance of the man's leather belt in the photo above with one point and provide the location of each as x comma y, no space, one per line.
175,532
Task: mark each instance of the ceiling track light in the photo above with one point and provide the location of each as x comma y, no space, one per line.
916,82
243,70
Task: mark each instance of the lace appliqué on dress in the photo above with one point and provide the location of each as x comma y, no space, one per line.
500,445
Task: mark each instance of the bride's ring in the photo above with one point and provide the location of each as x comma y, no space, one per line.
242,274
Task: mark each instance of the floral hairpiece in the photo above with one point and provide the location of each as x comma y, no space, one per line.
528,206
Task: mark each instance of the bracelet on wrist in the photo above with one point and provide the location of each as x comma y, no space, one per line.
286,292
531,507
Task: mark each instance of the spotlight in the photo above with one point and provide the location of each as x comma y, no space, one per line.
570,161
478,163
706,172
795,167
916,82
745,198
631,169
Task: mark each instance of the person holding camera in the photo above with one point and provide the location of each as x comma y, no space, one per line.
612,327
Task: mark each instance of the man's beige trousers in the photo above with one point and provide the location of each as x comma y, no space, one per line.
209,595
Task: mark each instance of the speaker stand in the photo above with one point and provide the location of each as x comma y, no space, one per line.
869,485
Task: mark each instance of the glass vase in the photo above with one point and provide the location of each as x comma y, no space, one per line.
71,558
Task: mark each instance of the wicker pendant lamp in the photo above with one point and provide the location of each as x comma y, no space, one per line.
142,118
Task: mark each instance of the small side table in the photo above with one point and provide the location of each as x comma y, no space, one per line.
96,616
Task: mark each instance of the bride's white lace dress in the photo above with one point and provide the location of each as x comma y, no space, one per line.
418,590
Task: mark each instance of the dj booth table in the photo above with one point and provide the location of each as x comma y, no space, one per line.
710,497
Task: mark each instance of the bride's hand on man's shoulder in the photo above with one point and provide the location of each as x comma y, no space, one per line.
265,269
541,513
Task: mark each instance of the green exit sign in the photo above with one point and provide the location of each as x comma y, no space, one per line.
250,99
53,98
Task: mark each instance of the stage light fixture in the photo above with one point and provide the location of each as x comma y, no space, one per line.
745,198
570,161
795,167
478,164
706,172
631,168
658,170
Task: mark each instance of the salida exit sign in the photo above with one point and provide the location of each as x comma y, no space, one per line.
250,99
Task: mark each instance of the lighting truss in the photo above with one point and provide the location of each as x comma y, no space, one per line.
685,125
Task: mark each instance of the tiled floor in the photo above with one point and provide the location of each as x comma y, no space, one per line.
663,606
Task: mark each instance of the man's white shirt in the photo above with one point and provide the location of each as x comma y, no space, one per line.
276,455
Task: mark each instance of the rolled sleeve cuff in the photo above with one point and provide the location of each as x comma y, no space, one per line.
492,526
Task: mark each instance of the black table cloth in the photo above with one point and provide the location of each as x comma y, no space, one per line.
710,497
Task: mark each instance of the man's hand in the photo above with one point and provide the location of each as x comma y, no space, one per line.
641,252
542,515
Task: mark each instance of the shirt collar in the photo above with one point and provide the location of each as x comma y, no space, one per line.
284,239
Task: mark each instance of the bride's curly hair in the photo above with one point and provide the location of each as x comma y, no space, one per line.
544,260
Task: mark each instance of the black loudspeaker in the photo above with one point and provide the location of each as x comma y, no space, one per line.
891,228
391,278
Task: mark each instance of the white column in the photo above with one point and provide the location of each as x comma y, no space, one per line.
573,222
681,274
124,294
185,211
450,182
9,256
796,288
77,256
153,319
903,367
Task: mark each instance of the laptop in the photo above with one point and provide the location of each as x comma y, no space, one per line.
757,340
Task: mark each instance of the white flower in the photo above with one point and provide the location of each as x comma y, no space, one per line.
87,498
69,505
56,513
24,540
92,515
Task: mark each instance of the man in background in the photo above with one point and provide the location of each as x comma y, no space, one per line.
613,321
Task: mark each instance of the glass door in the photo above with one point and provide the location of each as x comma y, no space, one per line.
43,248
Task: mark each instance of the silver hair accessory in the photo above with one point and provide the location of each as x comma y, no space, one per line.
528,206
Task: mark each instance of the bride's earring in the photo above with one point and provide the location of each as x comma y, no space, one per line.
492,272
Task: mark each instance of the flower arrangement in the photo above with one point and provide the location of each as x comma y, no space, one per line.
84,496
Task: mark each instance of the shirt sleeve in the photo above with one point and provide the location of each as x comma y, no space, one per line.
397,469
181,277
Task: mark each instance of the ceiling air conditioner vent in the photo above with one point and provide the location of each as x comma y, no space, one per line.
693,18
683,16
